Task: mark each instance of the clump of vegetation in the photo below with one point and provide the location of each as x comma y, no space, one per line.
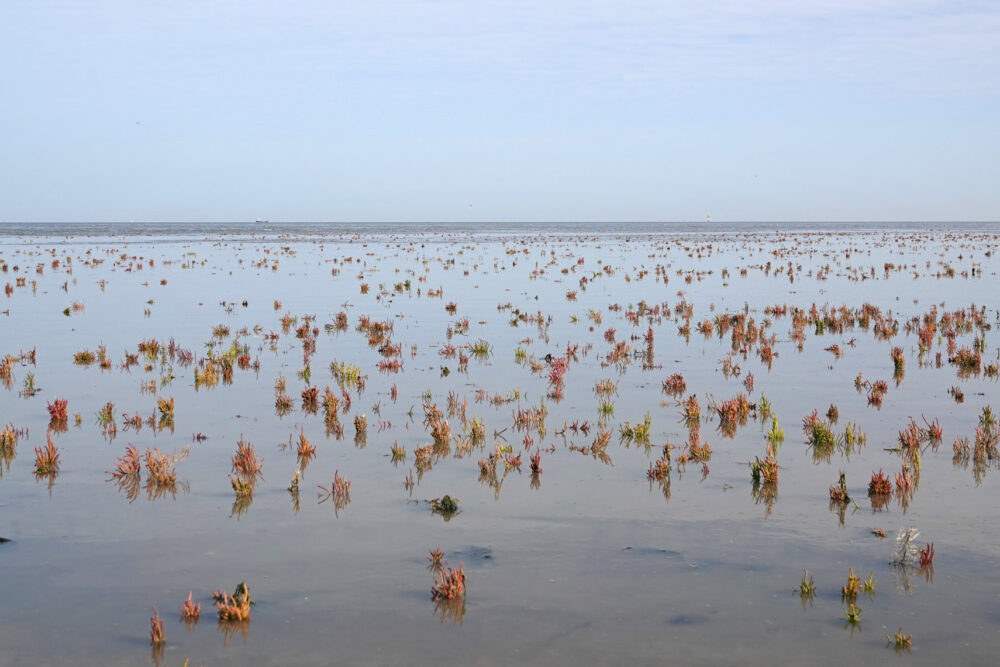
47,459
674,385
536,462
660,468
838,492
159,469
246,464
927,555
691,411
764,471
969,362
339,492
807,588
775,435
189,609
449,584
8,441
853,614
850,590
818,433
638,433
898,360
733,413
446,506
84,358
156,634
127,465
879,484
876,392
435,560
899,641
57,414
166,407
310,400
235,607
361,424
304,450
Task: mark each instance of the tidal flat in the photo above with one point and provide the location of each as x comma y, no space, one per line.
631,444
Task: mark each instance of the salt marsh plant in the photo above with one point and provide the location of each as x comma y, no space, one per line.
696,449
84,358
310,400
331,403
58,414
849,591
449,584
156,634
898,360
853,435
8,441
159,469
166,408
29,388
639,433
879,485
446,506
674,385
235,607
660,468
876,392
47,459
339,492
906,482
245,463
818,433
775,435
807,588
304,450
512,461
127,465
764,471
927,554
606,387
899,641
243,488
732,413
360,425
868,585
475,431
536,462
347,375
853,614
435,560
691,411
189,609
480,349
838,492
764,409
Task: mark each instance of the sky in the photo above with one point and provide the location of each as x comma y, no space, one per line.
478,111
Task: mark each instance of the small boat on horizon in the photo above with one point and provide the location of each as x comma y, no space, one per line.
261,220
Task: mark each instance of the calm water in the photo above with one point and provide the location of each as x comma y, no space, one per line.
595,563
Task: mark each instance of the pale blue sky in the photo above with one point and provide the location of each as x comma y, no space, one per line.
410,110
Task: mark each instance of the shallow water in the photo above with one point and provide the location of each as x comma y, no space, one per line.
597,564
